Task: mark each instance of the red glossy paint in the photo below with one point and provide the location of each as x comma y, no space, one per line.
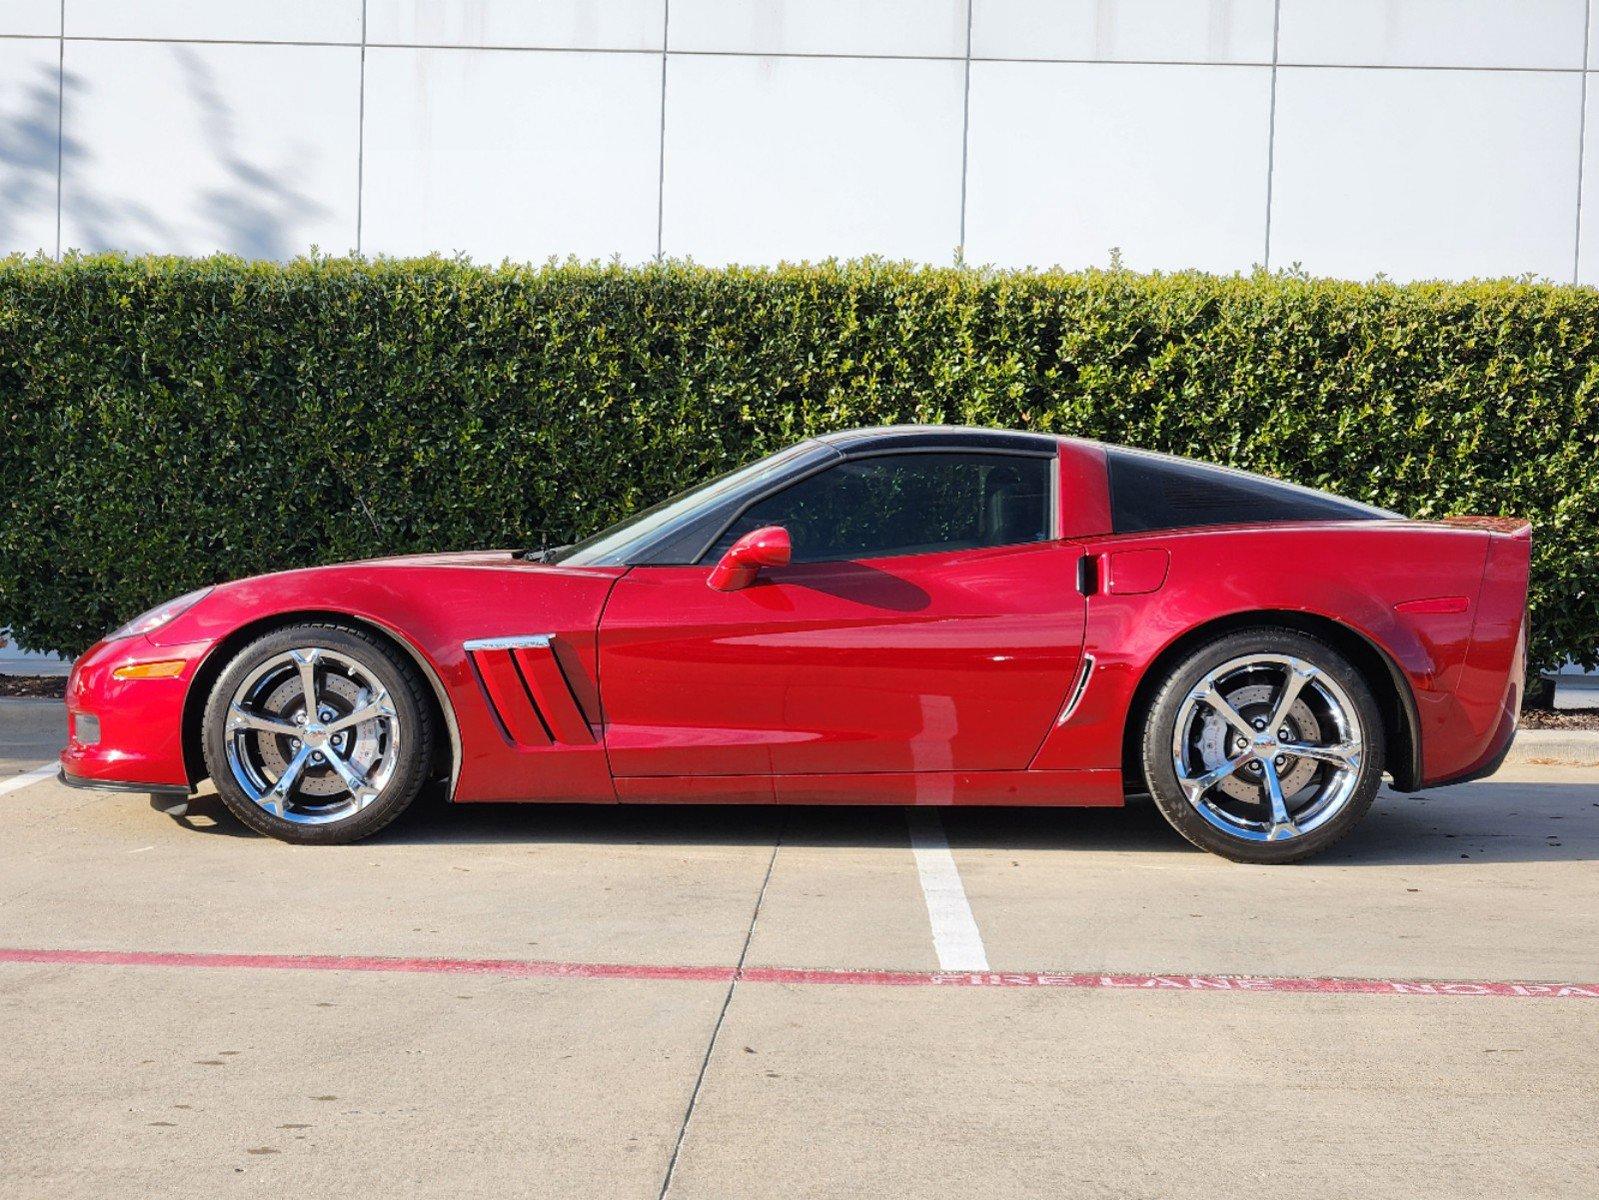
1083,484
1134,572
1354,574
938,678
744,559
928,663
141,724
1434,607
431,605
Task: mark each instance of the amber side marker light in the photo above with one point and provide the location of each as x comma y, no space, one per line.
151,670
1436,606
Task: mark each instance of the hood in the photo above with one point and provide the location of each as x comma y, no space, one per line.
449,558
371,568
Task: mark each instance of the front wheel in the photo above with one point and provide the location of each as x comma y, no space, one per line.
318,733
1264,746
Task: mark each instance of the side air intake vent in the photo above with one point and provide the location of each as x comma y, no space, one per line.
528,690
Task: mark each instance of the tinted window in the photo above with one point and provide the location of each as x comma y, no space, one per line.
906,504
1152,491
632,536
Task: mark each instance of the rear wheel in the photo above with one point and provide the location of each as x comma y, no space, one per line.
1264,746
318,733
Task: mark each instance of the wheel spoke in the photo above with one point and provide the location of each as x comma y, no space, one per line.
1282,824
278,797
306,661
361,791
1209,695
1195,786
287,758
1300,753
376,706
1343,755
1299,674
240,717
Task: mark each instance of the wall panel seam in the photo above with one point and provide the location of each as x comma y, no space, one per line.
966,133
1582,141
360,141
953,58
61,109
660,159
1271,130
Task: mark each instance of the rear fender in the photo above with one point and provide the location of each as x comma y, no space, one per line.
1350,574
1488,695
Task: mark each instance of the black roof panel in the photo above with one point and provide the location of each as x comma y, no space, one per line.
1150,491
853,442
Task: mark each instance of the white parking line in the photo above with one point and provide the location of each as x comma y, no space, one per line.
955,936
23,780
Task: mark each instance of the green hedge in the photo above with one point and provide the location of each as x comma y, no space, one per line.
166,422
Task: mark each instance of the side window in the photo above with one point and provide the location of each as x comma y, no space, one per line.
906,504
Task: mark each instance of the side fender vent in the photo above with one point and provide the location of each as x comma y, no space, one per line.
528,690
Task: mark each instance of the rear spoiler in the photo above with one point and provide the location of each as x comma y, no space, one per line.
1512,526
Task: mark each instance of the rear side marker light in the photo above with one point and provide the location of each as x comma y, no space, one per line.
151,670
1438,604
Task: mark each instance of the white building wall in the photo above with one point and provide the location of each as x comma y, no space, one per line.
1416,138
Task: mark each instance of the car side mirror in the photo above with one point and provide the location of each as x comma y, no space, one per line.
767,547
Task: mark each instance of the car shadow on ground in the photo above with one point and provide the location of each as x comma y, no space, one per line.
1486,822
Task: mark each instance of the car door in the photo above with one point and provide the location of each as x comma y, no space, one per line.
927,622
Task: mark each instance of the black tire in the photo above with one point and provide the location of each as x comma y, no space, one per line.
1160,769
407,695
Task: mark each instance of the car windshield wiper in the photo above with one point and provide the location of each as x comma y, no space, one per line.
543,554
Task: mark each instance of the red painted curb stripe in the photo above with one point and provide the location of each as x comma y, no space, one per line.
527,968
361,962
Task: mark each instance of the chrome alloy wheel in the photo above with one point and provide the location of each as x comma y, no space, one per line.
1267,747
312,736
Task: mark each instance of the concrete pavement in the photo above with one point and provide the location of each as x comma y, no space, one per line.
1564,747
31,733
155,1076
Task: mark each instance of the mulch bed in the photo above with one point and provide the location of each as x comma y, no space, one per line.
33,685
1564,718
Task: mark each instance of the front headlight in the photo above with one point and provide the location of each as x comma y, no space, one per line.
148,622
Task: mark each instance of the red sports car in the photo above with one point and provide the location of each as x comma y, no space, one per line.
910,615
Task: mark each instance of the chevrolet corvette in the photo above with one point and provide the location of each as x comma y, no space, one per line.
907,615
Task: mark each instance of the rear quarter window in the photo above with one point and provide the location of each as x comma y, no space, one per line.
1153,491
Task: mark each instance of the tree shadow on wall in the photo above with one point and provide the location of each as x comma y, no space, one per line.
255,209
253,212
28,158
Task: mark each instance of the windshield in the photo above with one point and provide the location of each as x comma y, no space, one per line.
614,545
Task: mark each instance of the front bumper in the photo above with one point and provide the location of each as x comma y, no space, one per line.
133,739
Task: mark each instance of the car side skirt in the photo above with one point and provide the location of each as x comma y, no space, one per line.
1060,789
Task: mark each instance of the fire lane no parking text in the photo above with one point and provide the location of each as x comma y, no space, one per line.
531,968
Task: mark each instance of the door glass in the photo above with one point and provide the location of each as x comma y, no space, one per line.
906,504
613,545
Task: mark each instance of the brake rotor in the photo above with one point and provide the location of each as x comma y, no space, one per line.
1255,702
339,696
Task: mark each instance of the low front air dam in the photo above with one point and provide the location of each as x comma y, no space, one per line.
138,745
102,785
